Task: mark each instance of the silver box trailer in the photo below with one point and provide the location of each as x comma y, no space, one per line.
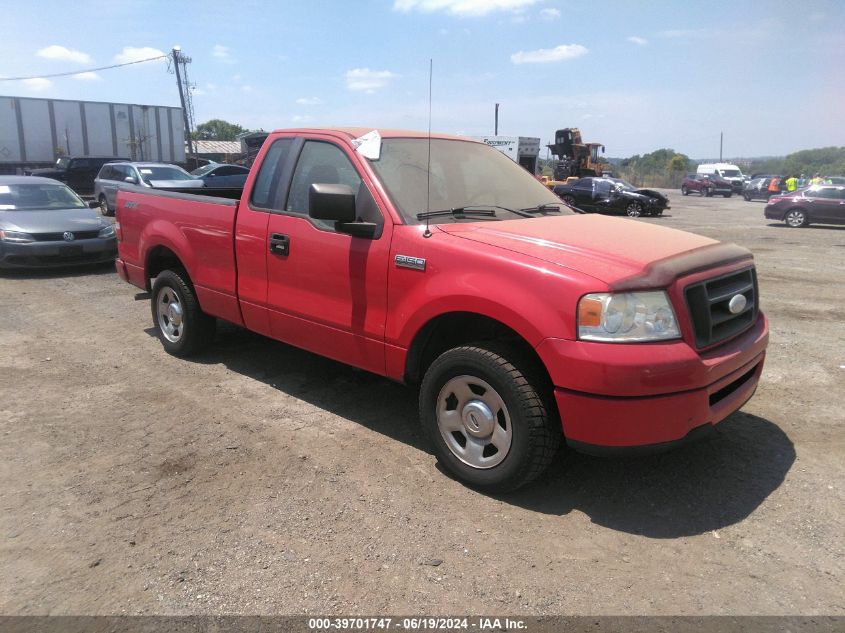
524,150
34,132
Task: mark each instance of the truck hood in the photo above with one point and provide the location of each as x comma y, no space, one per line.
623,253
50,220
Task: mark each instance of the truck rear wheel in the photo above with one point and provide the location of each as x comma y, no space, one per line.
489,416
181,325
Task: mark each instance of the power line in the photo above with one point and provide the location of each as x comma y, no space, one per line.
79,72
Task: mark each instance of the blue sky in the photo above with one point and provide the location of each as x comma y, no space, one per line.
634,75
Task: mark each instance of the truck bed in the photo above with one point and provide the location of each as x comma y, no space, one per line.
200,227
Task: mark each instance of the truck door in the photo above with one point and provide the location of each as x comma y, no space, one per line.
327,291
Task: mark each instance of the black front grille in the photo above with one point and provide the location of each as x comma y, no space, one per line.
60,237
712,321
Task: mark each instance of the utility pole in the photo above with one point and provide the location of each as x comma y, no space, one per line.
179,58
721,138
496,122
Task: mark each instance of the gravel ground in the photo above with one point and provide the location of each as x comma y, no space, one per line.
262,479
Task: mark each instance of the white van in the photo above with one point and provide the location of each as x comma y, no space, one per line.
731,173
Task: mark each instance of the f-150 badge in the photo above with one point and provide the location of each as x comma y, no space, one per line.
406,261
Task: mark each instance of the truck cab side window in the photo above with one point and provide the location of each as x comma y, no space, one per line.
267,184
322,163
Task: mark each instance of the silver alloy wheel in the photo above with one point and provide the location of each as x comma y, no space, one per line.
104,205
633,210
474,422
170,316
796,218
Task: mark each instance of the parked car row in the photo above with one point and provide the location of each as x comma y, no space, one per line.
82,173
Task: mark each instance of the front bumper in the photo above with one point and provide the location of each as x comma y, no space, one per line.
616,396
57,254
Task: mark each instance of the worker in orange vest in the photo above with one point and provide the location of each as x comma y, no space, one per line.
774,185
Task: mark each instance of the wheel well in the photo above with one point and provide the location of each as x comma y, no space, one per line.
459,328
161,258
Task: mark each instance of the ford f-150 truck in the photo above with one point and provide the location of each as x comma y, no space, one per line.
437,261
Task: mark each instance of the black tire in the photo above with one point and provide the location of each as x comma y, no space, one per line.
706,192
796,218
633,209
527,396
196,328
747,197
684,190
570,200
727,195
104,205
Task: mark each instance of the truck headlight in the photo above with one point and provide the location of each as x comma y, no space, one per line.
16,237
629,317
106,231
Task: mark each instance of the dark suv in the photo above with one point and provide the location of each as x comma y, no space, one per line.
706,185
77,172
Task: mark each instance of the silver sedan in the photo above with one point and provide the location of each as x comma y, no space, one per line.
43,223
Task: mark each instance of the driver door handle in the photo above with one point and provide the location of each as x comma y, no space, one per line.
279,244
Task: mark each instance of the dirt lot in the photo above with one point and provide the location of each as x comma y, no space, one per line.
263,479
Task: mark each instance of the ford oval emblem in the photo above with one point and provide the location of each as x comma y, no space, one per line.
737,304
68,236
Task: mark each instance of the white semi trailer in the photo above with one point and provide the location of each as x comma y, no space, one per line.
34,132
524,150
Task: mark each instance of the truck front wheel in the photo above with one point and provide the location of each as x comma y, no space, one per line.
182,327
489,416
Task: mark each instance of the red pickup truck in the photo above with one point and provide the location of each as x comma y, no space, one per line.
438,261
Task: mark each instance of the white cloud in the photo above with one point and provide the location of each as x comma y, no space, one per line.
37,84
131,54
61,53
545,55
223,53
366,80
246,88
309,101
87,76
302,118
519,19
550,14
639,41
461,7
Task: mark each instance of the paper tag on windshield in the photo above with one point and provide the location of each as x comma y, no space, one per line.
369,145
5,189
146,171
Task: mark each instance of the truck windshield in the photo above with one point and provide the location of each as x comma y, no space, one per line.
463,174
731,173
38,197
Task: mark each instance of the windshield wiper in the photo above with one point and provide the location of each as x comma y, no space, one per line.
545,208
473,212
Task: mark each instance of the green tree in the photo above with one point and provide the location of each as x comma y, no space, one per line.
217,130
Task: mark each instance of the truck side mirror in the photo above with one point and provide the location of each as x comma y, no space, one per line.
331,202
131,179
337,203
